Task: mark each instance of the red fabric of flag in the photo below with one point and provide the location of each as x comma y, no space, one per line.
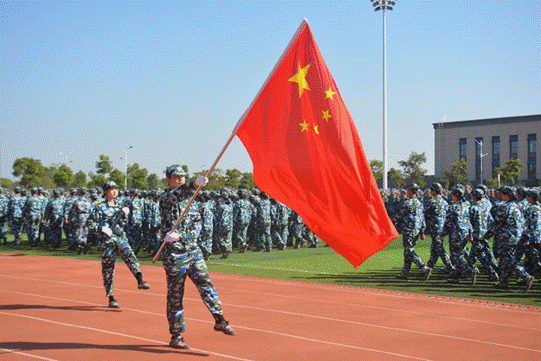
307,154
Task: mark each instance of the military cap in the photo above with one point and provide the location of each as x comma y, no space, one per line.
214,194
255,191
483,187
33,190
109,185
73,191
40,189
81,190
534,193
224,193
478,192
436,187
174,170
17,189
414,187
458,191
56,192
507,191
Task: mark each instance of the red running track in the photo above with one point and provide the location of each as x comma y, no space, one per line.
55,309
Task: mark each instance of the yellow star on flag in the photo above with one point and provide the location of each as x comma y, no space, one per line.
300,78
304,125
326,115
316,129
329,93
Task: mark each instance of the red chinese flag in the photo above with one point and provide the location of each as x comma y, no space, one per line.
307,154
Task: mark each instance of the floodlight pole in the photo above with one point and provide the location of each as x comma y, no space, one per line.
384,5
126,167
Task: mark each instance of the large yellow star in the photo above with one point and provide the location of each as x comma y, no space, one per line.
300,78
326,115
329,93
304,125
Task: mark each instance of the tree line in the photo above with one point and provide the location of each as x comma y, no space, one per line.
32,173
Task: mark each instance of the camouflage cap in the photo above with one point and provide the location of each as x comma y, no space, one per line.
507,191
174,170
534,193
109,185
436,187
458,191
414,187
478,192
81,190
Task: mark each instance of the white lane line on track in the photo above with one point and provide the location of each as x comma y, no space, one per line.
430,334
387,309
116,334
26,354
210,352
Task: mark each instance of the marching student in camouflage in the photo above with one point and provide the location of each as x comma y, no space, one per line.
494,212
252,226
263,219
68,203
53,218
283,229
481,219
531,237
15,214
32,216
507,228
309,236
279,217
152,223
458,227
182,256
224,224
412,221
112,240
3,215
435,209
295,230
135,220
242,220
78,218
204,240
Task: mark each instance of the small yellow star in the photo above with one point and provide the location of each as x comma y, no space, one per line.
329,93
316,129
304,125
326,115
300,78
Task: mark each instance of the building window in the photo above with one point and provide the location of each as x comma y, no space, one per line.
479,158
495,154
462,149
513,146
532,156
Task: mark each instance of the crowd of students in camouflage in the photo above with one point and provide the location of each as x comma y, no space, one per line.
231,220
471,217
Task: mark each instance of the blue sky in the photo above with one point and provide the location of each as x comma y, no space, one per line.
171,79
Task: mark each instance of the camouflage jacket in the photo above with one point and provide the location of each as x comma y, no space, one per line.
435,209
410,216
532,224
480,219
457,220
508,224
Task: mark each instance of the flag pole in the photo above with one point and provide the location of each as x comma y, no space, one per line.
195,194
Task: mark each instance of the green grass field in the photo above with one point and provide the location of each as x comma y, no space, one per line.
324,265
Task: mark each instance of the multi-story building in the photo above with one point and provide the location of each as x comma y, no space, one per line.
486,144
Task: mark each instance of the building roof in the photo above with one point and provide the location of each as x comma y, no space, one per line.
492,121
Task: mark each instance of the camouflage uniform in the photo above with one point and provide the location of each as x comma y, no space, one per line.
481,219
152,220
3,215
135,221
263,219
32,216
15,215
507,229
68,229
295,229
53,218
110,247
279,217
435,209
204,240
411,219
78,217
224,224
184,258
458,227
532,237
242,220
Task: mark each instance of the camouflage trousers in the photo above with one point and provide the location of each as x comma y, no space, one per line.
457,245
2,229
480,251
263,230
32,231
135,237
279,235
295,232
80,234
55,235
109,249
177,266
437,250
240,237
204,241
409,241
509,264
224,238
16,226
152,238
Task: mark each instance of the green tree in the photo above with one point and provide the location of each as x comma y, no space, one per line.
104,165
153,181
6,183
30,170
232,178
117,176
395,178
79,180
511,171
412,169
458,174
247,181
63,176
377,168
96,180
137,177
